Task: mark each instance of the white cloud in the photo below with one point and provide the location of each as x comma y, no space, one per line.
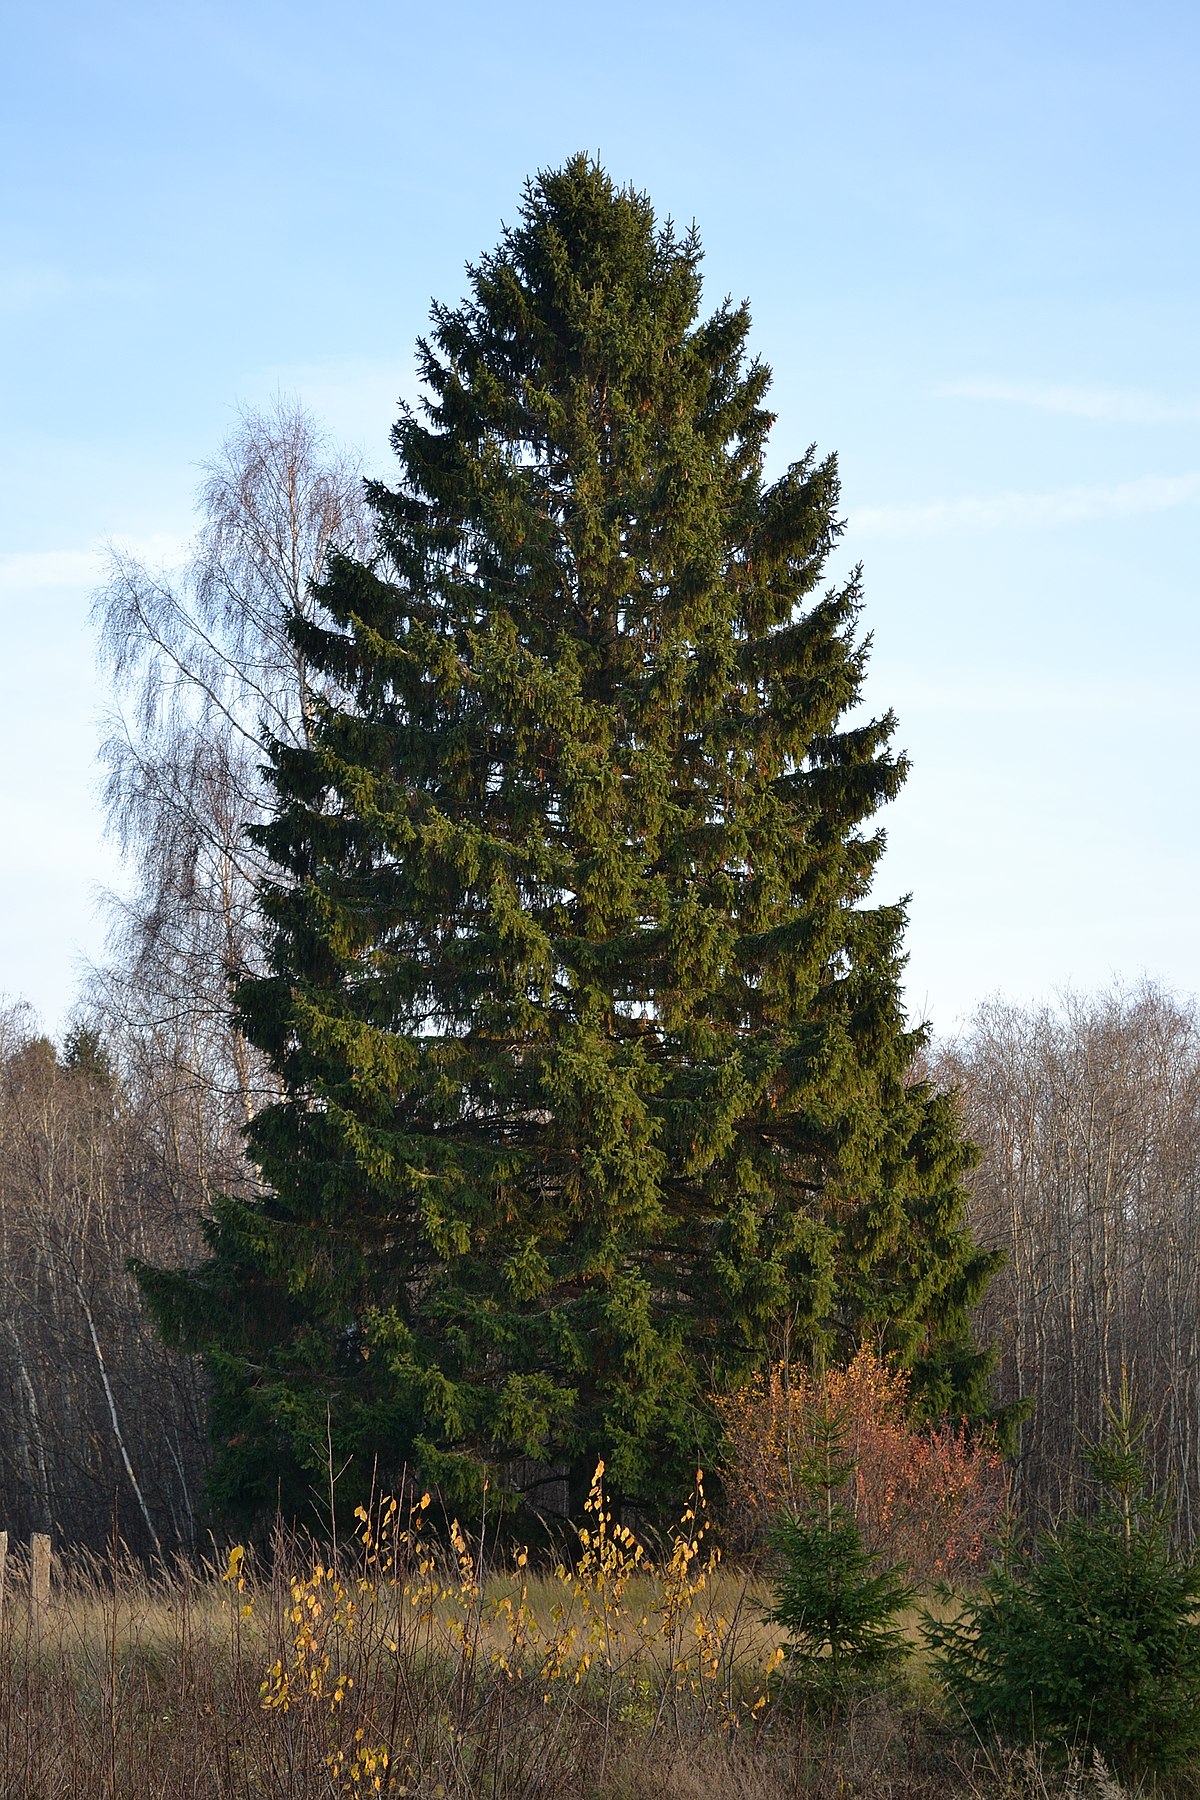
30,287
356,398
1021,691
30,571
1122,406
35,285
36,569
1057,506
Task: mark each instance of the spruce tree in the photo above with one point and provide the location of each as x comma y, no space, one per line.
835,1600
1090,1636
595,1068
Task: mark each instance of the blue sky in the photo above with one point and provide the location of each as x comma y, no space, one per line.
968,236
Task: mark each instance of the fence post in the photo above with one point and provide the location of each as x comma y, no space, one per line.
3,1570
40,1592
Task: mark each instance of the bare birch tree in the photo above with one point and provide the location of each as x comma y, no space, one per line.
206,670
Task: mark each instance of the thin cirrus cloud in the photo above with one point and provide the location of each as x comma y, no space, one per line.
26,571
1118,406
35,286
36,570
1055,506
22,289
355,397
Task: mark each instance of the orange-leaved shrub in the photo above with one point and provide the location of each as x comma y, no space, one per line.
932,1498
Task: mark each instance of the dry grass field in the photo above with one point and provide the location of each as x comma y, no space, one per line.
396,1667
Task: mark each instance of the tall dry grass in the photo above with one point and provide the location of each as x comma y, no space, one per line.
399,1666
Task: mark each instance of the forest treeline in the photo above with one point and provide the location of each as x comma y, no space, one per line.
1087,1116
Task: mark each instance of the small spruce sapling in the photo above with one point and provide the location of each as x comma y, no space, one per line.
831,1595
1089,1638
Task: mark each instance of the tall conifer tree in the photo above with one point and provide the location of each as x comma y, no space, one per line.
595,1067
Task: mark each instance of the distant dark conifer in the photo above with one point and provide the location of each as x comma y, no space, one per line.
595,1067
